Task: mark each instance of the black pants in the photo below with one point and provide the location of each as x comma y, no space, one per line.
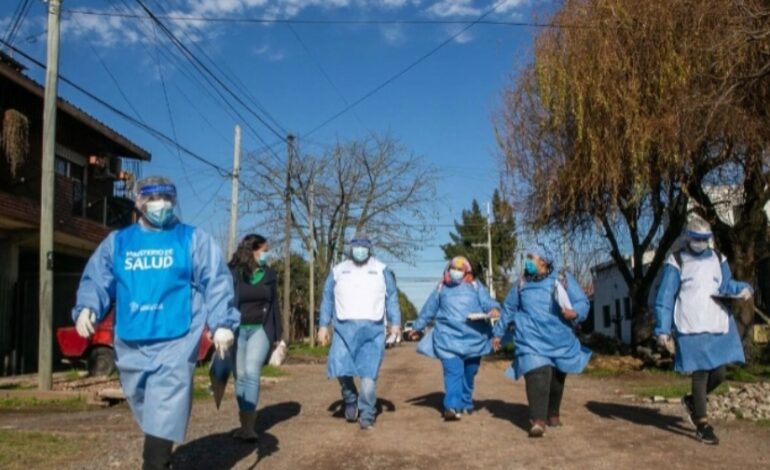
157,453
703,383
545,387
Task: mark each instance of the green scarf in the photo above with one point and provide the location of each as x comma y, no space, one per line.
257,276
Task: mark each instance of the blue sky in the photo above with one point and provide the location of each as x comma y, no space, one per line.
441,109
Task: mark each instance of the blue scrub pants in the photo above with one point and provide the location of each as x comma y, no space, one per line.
459,375
251,351
366,400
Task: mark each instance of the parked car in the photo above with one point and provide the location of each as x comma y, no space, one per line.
97,351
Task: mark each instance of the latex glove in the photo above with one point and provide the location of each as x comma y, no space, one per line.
323,336
84,325
665,341
745,294
395,330
568,314
496,343
494,313
223,340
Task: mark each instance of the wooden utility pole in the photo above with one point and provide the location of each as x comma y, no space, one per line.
287,241
45,295
234,193
311,214
490,271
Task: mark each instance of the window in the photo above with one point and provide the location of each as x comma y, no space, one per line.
606,316
627,307
64,167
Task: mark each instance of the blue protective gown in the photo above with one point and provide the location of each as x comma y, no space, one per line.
358,346
701,351
453,335
541,334
156,375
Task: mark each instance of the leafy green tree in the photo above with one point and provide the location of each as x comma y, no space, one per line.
408,310
471,231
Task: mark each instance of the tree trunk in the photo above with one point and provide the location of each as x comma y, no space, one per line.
642,318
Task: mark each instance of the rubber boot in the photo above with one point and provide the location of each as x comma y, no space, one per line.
246,431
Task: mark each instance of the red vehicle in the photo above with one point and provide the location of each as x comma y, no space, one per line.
97,350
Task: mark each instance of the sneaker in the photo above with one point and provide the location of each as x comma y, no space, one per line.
554,422
537,429
366,425
689,408
351,413
705,434
468,411
452,415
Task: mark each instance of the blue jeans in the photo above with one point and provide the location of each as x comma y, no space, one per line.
366,400
251,349
459,375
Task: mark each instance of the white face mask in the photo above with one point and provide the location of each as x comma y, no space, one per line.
159,212
698,246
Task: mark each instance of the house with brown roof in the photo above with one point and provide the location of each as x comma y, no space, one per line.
94,166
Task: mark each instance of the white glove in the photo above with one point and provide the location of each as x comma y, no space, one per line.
395,330
223,340
84,325
665,341
745,294
323,336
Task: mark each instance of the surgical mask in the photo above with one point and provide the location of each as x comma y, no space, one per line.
530,268
456,275
158,212
698,246
360,253
262,259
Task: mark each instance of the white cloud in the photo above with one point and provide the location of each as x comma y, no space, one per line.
393,35
268,53
455,8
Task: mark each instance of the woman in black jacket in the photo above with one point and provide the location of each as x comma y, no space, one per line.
256,298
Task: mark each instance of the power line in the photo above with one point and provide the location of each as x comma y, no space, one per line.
372,22
406,69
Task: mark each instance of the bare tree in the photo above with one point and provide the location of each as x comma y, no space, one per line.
373,184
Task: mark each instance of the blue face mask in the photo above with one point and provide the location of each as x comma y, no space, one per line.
159,213
456,275
530,268
263,257
360,253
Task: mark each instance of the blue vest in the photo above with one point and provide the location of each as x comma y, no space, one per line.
153,274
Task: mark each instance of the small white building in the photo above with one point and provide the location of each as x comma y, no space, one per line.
612,303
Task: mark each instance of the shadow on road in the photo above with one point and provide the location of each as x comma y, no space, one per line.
338,409
223,451
433,400
515,413
640,415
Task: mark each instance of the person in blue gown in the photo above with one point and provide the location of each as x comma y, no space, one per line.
543,309
457,341
703,327
168,281
358,295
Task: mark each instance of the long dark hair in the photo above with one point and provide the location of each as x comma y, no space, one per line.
243,258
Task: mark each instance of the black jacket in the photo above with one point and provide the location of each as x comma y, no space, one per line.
272,321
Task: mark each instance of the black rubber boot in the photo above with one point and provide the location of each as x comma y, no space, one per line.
157,453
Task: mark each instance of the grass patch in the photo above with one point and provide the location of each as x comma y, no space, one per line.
301,349
34,404
673,390
23,450
272,371
602,372
752,373
72,374
763,423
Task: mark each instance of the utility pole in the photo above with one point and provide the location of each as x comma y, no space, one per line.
311,214
488,246
45,294
286,310
234,193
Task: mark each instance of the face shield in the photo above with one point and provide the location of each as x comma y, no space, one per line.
155,199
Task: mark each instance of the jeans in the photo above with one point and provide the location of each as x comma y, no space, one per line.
459,375
251,351
545,387
366,399
703,383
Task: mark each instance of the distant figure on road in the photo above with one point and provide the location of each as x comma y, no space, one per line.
359,293
544,308
457,341
168,280
704,329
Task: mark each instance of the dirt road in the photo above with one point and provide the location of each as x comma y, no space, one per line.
301,428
